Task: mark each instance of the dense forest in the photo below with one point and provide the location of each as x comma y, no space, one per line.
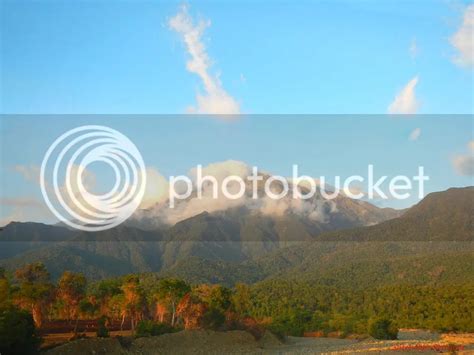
150,305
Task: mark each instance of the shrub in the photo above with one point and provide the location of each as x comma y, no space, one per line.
17,332
382,328
213,319
102,331
146,328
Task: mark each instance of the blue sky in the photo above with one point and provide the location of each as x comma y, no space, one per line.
313,57
309,57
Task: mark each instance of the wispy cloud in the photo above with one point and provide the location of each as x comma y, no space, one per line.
464,164
20,202
463,39
30,173
406,102
23,209
214,99
415,134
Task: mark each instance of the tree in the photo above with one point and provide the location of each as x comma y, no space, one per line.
35,291
4,289
117,309
382,328
215,296
241,299
17,332
72,290
102,292
170,292
161,311
218,302
192,310
87,308
133,300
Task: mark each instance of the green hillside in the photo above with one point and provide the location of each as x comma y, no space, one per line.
431,243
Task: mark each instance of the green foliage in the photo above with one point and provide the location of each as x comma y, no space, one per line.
72,290
241,299
105,288
291,322
170,292
4,289
382,328
17,332
33,273
35,291
291,307
296,307
147,328
172,289
440,217
72,286
87,308
216,297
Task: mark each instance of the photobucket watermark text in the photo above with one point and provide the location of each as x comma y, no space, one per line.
233,187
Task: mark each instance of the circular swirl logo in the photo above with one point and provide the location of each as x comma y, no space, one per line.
64,170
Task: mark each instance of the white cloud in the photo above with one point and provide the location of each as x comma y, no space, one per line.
20,202
23,209
415,134
30,173
160,213
406,102
464,164
214,100
157,188
463,39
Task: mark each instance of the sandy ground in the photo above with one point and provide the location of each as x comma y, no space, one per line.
296,345
240,342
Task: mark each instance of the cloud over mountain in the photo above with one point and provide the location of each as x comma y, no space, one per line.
464,164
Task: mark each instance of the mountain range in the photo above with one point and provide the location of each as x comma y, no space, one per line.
355,245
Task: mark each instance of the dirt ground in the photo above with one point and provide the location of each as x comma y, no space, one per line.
240,342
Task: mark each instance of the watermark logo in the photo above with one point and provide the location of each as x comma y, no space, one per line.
299,187
66,167
62,178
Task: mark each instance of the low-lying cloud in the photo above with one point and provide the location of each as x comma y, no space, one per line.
464,164
160,213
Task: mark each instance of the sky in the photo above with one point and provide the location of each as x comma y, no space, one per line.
392,85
